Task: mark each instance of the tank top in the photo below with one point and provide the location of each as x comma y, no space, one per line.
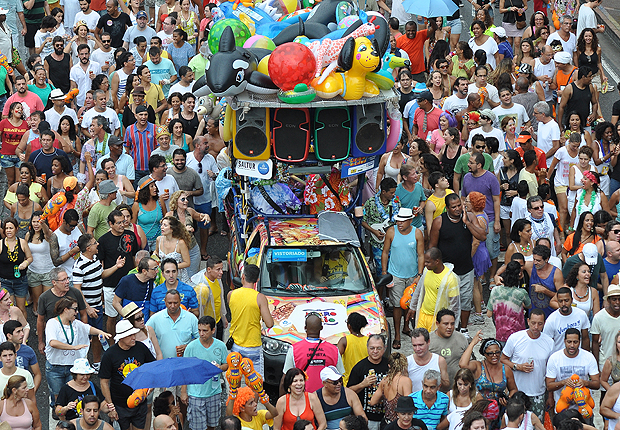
391,172
403,262
416,372
539,300
488,389
584,306
448,163
439,202
453,407
616,409
122,83
149,343
10,259
289,420
149,221
23,223
589,60
334,413
58,72
580,102
563,79
190,126
79,427
135,231
455,245
356,351
245,327
605,166
176,256
22,422
41,259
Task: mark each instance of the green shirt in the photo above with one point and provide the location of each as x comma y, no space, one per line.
36,14
43,93
98,218
462,168
373,216
3,74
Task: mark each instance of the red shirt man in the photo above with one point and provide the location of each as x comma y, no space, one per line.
426,117
412,42
525,144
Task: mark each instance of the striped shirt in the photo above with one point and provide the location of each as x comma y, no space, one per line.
431,416
88,273
140,144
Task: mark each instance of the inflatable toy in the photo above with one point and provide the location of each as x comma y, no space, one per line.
291,64
232,70
405,300
4,62
396,126
137,397
580,396
258,41
253,379
233,374
384,78
240,31
302,93
71,95
358,57
313,30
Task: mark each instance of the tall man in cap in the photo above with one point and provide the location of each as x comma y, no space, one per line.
122,357
140,142
403,258
122,161
405,410
330,397
426,116
565,74
58,110
525,144
140,29
98,215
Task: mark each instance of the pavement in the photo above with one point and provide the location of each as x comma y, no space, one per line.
609,15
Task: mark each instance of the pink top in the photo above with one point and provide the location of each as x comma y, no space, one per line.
22,422
437,140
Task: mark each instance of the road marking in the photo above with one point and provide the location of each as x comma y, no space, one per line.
610,72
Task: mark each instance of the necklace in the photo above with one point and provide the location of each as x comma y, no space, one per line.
70,342
526,248
584,296
581,205
14,254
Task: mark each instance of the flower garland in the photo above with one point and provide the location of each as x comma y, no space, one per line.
581,202
381,209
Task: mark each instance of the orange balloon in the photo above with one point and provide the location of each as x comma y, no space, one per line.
137,397
405,300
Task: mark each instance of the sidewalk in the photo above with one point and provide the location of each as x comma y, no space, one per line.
609,15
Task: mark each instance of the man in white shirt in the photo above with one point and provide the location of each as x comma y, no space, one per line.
568,361
548,134
83,73
544,70
605,326
100,108
487,118
7,356
104,55
166,184
59,110
564,35
509,108
481,86
586,18
526,352
457,101
565,317
86,14
186,81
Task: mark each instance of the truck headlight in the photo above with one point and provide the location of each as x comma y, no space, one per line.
274,346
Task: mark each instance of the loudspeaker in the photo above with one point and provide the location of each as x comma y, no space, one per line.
291,134
251,134
332,133
369,130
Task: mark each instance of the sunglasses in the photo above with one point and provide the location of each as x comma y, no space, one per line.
338,382
493,353
486,118
615,231
140,318
537,208
480,147
199,167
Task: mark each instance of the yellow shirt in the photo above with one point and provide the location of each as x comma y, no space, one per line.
153,96
164,54
440,203
356,351
216,290
432,282
257,422
245,326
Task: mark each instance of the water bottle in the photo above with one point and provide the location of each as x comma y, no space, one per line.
104,342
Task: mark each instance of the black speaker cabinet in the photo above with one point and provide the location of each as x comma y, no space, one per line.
332,133
369,130
251,134
291,134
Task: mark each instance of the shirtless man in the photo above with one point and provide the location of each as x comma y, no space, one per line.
215,141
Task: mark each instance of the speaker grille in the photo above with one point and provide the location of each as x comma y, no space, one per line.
289,139
333,134
251,139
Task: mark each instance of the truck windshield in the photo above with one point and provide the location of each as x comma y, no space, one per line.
320,270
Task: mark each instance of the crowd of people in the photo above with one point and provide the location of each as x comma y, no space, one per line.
112,196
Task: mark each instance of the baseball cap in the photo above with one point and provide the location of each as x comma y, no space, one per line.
141,14
562,57
524,136
141,109
330,373
107,187
590,253
426,95
499,31
489,114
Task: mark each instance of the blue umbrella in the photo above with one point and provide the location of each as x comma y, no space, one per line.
171,372
430,8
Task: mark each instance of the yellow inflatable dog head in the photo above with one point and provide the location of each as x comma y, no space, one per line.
360,55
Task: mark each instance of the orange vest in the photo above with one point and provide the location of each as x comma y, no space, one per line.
563,79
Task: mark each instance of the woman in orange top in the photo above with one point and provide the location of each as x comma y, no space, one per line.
582,235
297,404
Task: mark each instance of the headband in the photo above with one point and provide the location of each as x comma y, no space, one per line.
491,342
3,293
588,174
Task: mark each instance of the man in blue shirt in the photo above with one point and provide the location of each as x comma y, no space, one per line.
137,287
205,397
431,404
170,270
25,356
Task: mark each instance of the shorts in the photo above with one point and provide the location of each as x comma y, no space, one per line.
426,321
492,242
397,291
36,279
97,322
504,212
466,290
16,287
128,417
456,26
31,30
108,297
596,81
7,161
561,189
376,255
206,209
204,412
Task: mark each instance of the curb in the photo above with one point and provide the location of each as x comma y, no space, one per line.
611,24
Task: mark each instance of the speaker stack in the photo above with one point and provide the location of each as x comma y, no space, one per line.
251,134
291,134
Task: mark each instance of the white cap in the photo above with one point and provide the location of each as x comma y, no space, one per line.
562,57
404,214
123,329
590,253
501,33
3,11
330,373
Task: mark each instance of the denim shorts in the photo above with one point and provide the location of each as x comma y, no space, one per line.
7,161
455,25
36,279
204,208
16,287
254,353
